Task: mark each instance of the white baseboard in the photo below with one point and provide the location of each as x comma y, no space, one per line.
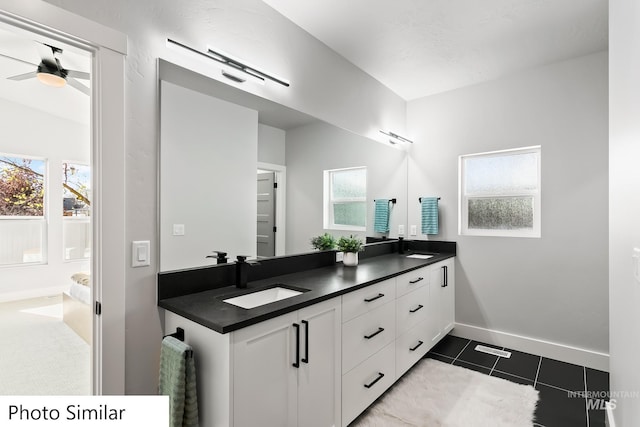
551,350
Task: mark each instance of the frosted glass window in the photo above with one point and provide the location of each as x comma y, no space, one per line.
345,196
500,193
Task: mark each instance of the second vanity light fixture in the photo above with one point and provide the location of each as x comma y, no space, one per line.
395,138
232,65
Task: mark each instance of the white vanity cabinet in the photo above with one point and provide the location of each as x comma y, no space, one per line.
442,299
284,371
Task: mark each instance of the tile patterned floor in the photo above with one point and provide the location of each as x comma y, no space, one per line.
555,380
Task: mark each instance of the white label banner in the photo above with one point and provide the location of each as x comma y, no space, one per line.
90,411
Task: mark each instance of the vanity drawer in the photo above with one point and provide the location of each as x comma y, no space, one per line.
360,388
366,299
408,282
409,348
411,309
367,334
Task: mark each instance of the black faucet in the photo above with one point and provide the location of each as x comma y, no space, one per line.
221,257
242,271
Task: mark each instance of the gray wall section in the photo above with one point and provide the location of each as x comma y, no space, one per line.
317,147
624,152
553,288
271,145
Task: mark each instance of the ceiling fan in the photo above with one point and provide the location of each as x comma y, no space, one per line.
51,72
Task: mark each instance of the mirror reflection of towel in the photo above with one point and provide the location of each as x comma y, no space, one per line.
381,216
429,215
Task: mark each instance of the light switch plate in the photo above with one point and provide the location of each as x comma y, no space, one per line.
401,230
414,230
636,264
178,229
140,253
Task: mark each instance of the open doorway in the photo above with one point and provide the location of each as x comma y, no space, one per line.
46,314
271,200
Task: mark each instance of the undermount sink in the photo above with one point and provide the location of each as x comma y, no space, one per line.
265,296
420,256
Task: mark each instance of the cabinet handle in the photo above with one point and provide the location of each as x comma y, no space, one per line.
380,375
374,298
374,334
416,347
445,276
417,308
306,341
416,280
296,364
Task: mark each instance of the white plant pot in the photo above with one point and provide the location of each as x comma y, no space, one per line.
350,259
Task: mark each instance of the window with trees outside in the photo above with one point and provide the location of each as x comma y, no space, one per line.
345,199
23,226
76,210
500,193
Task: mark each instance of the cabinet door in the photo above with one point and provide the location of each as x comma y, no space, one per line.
448,297
435,296
265,389
319,390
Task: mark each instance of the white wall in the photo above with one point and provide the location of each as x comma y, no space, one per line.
208,178
624,206
323,84
313,148
30,132
271,145
553,288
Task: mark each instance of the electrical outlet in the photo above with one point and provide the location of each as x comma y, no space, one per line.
414,230
339,256
636,264
178,229
401,230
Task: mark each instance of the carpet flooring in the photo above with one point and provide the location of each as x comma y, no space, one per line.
437,394
40,355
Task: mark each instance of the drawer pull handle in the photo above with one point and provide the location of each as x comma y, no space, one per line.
374,298
374,334
416,280
380,375
417,308
416,347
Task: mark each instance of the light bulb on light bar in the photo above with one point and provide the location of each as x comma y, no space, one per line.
231,68
396,137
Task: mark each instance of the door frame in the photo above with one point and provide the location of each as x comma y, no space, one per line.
108,48
281,204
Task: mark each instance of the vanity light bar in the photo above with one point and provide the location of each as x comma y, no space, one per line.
224,59
397,137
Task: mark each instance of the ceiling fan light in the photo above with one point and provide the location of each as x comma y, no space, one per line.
51,79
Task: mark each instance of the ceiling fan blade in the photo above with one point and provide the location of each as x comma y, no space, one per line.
46,52
19,60
23,76
78,74
79,86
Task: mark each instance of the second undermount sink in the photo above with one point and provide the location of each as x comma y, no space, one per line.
265,296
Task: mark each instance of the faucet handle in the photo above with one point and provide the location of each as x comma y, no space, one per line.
242,258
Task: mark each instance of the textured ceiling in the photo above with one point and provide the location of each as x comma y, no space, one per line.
422,47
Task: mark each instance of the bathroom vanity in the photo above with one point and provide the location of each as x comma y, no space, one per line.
322,356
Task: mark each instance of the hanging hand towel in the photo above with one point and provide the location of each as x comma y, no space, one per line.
381,216
178,381
429,215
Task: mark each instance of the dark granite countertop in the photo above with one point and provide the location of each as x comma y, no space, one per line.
208,309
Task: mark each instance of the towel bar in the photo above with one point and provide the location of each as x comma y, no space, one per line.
420,199
394,200
179,334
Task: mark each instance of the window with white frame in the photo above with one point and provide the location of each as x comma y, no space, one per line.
23,225
345,199
500,193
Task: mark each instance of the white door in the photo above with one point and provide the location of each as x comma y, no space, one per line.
319,386
264,378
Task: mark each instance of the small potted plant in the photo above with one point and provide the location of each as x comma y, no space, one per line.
350,246
324,242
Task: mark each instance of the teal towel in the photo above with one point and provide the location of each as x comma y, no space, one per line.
429,215
178,381
381,216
